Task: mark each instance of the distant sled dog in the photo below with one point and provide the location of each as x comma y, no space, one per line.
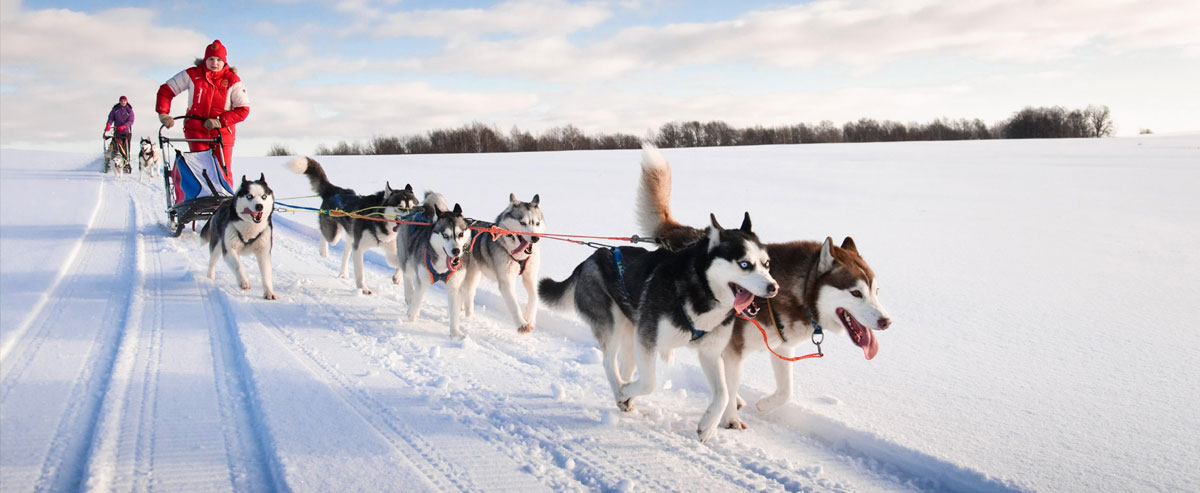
830,284
243,225
362,234
433,253
507,258
644,303
149,157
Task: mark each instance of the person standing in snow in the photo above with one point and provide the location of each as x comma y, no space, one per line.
121,115
216,95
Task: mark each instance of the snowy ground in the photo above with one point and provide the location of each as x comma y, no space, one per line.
1041,291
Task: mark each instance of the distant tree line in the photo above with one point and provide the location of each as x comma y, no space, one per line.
1028,123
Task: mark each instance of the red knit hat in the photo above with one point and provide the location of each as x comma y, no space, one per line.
123,98
215,49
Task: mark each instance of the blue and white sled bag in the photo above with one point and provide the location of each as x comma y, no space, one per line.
198,174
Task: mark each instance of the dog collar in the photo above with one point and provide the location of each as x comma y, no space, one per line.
775,320
434,276
812,319
252,240
696,334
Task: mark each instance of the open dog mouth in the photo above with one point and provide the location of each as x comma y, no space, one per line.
257,216
525,247
453,263
862,336
742,299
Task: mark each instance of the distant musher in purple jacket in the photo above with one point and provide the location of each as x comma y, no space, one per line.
122,117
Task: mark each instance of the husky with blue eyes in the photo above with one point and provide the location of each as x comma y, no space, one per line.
432,253
243,225
644,303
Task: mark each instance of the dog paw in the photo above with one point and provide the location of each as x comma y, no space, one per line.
740,402
395,279
212,275
270,296
245,285
706,434
735,424
343,275
625,405
367,291
525,329
770,403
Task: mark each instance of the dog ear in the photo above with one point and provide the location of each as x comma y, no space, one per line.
714,232
848,244
431,212
387,188
408,187
746,224
263,178
512,199
244,180
457,210
825,264
535,200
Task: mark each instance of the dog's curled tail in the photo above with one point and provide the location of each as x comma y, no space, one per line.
559,295
653,207
316,175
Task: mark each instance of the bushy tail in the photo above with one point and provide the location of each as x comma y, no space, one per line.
316,175
653,207
560,295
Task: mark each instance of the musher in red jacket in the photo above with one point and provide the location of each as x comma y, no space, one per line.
216,94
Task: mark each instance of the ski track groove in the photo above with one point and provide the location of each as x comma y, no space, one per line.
107,428
238,401
67,456
391,427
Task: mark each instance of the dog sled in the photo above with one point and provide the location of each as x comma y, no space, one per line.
195,181
116,155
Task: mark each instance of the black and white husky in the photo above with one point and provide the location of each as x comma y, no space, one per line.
149,157
507,258
650,302
434,253
363,234
241,225
819,284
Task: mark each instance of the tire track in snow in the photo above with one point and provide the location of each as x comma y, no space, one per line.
444,474
85,289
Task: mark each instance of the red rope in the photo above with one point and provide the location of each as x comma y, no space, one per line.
777,355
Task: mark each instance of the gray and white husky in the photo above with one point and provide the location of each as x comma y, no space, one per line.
434,253
818,281
240,225
149,157
507,258
645,303
363,234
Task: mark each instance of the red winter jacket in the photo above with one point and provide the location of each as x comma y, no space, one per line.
219,95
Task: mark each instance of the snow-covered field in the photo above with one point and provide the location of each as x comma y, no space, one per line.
1042,294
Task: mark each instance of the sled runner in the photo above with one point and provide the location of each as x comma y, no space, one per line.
195,181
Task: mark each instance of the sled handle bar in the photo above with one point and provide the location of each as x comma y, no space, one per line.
163,140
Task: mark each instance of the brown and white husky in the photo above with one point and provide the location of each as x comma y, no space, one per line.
818,281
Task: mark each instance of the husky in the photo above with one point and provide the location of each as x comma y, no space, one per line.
243,224
649,302
149,157
433,253
363,234
508,257
819,283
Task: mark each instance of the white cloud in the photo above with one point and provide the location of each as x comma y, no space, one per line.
517,17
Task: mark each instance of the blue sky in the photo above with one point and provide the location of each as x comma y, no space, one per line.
319,72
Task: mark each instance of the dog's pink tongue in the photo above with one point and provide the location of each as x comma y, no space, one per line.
870,345
520,248
742,300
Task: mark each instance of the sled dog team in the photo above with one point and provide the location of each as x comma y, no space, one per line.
698,289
